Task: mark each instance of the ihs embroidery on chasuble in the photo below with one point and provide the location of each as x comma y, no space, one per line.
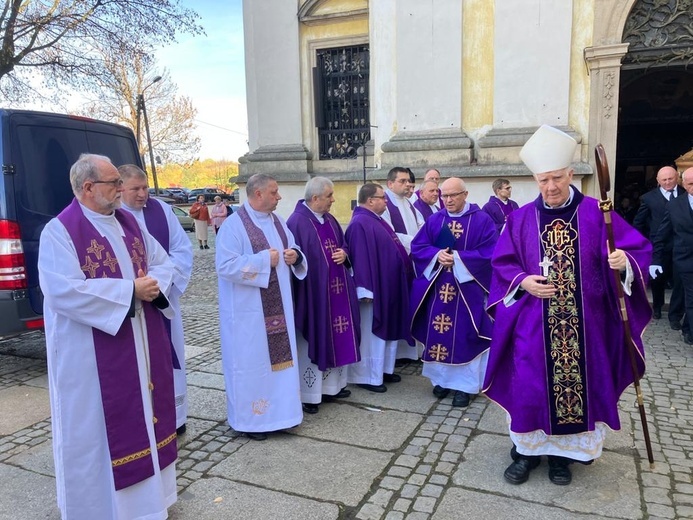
565,359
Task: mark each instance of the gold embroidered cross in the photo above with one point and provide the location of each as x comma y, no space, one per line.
96,249
331,245
447,293
340,324
137,260
456,229
442,323
90,266
110,262
336,286
438,352
137,244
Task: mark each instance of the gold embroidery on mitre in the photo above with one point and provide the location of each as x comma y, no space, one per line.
558,241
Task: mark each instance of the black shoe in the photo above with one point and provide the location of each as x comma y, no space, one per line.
402,362
675,325
310,408
657,314
559,472
342,394
513,453
440,392
181,430
256,436
378,389
688,339
392,378
202,247
518,471
460,399
206,246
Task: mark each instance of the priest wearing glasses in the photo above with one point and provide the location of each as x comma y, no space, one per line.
558,362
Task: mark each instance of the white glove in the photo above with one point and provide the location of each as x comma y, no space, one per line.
655,270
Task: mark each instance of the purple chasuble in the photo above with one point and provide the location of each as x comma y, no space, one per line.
560,364
449,317
278,341
116,358
396,216
498,211
326,306
157,226
382,266
425,209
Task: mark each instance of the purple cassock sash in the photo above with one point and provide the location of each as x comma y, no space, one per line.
449,317
272,307
157,226
116,358
326,307
396,216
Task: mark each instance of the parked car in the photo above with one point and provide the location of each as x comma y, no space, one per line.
209,194
184,218
37,150
168,194
180,192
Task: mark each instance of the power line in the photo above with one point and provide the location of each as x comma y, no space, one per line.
222,128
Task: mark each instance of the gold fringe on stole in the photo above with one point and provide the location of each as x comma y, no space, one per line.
281,366
130,458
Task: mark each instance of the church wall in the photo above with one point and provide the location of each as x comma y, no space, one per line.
477,64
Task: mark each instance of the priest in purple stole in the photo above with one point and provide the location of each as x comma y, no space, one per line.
158,219
326,307
256,257
558,362
500,205
383,274
427,203
452,258
110,373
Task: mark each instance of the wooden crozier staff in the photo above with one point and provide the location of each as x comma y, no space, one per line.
606,205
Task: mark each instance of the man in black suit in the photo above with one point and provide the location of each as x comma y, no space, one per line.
647,221
677,227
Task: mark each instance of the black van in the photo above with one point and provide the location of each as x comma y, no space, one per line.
37,150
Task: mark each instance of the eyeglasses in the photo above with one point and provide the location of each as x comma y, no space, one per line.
377,197
451,195
116,183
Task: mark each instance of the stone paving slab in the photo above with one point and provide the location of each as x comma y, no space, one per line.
14,364
206,403
39,381
412,394
38,459
194,428
609,487
22,406
26,495
294,464
462,504
348,424
206,380
191,351
239,501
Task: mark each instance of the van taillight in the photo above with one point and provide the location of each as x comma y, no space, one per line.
12,265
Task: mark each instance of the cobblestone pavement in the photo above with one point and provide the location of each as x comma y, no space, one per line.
399,455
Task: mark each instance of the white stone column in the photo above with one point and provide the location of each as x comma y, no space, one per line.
273,88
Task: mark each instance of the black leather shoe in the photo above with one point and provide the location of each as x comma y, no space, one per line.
401,362
460,399
392,378
310,408
518,471
181,430
657,314
675,325
378,389
440,392
342,394
559,472
688,339
256,436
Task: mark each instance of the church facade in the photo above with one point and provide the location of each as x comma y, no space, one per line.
350,88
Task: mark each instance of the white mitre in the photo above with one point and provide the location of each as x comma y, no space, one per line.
548,150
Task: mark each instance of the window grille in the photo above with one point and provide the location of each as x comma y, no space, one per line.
340,82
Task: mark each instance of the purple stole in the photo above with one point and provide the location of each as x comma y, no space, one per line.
408,266
563,318
157,226
345,345
272,307
396,216
425,210
116,358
